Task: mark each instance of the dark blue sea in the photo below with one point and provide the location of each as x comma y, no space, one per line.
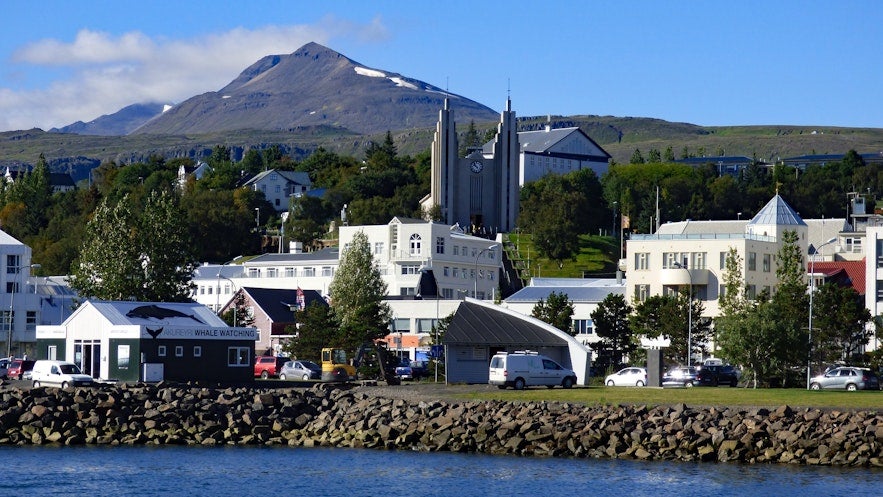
314,472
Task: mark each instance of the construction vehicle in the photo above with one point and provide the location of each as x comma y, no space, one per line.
372,361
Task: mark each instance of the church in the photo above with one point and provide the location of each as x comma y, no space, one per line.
480,192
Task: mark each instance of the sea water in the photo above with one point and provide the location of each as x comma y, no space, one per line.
313,472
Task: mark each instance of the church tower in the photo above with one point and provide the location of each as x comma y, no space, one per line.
480,191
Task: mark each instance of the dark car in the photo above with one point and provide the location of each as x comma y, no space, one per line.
266,366
716,375
17,368
680,376
412,370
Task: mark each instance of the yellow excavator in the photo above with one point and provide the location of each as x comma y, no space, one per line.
336,367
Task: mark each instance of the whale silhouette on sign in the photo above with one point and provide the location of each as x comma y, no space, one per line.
157,312
154,333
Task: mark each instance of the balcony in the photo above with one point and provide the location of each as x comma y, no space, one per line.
678,276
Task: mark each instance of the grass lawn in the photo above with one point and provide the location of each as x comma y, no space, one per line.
698,396
598,256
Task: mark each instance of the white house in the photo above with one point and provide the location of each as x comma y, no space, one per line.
278,186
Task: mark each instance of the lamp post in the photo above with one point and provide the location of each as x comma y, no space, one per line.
689,310
475,276
812,290
218,296
11,321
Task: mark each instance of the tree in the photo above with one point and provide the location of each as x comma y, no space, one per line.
145,258
556,310
611,320
316,328
238,315
666,316
357,293
637,158
840,324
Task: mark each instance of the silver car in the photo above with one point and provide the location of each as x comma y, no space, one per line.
846,378
303,370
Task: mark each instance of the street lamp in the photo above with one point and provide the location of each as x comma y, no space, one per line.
218,296
812,290
475,275
11,321
689,310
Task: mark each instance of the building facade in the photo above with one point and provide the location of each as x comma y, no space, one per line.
21,306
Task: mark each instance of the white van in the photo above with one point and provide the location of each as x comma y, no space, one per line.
59,373
526,368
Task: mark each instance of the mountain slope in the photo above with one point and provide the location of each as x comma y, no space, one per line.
122,122
314,86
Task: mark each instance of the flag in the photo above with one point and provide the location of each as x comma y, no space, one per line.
626,222
301,301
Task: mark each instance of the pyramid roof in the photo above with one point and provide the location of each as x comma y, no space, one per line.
777,212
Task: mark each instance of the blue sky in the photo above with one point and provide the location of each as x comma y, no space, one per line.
711,63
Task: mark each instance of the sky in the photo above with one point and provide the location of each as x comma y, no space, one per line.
711,63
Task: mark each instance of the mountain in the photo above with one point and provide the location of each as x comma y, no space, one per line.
315,86
122,122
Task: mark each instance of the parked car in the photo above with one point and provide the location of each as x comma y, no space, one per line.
59,373
266,366
4,364
628,377
412,370
716,375
681,376
521,369
846,378
17,368
304,370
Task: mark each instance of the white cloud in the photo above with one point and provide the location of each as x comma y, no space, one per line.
105,72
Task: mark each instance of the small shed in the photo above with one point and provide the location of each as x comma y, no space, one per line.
150,341
480,329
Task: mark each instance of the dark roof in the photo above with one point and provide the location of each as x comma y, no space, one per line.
60,179
729,159
476,324
276,302
325,254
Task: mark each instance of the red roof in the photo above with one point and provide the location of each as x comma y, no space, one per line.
854,271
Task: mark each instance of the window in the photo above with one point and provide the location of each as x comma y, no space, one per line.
238,357
464,251
12,263
723,261
670,258
31,320
179,351
439,245
272,272
161,351
766,263
123,356
448,293
52,352
698,261
456,250
426,325
583,326
415,244
254,272
410,269
642,292
197,351
290,272
750,292
277,189
327,271
406,291
401,325
447,271
378,248
752,261
202,289
490,275
456,272
642,261
309,271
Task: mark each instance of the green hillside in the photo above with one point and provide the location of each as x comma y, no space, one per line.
597,257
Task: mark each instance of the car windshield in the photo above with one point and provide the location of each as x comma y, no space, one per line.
69,369
311,365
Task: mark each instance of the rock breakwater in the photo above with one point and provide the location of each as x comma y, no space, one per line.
326,415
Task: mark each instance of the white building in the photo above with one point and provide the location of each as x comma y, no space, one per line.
462,264
278,186
20,313
558,151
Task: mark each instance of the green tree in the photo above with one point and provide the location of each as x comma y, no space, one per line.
636,158
556,310
654,156
316,328
840,324
238,314
127,256
668,155
357,293
611,321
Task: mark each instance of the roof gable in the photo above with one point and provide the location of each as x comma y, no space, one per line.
278,304
477,323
